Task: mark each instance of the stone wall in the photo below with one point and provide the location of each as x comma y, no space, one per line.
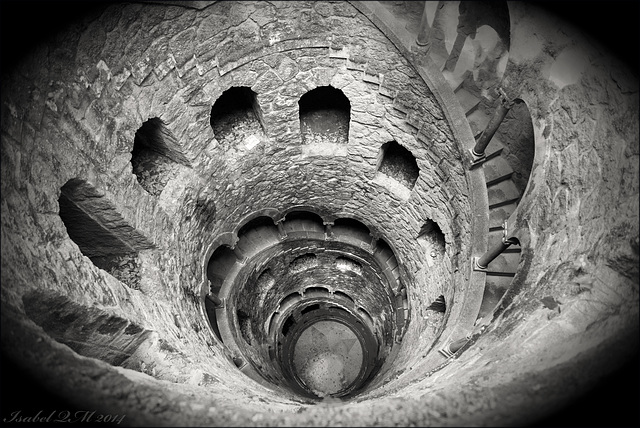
77,118
71,111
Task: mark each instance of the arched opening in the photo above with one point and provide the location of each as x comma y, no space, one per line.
347,264
303,262
303,222
236,118
438,305
383,253
351,229
311,292
344,297
100,231
398,163
219,266
257,235
155,157
432,238
325,113
91,332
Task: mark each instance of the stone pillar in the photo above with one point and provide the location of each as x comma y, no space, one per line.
424,32
281,231
467,27
481,263
449,350
455,346
454,55
328,233
217,302
375,236
485,138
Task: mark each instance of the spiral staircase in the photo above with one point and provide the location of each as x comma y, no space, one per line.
478,105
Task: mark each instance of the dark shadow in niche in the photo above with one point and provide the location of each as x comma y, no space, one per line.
312,292
220,264
286,327
89,331
398,163
100,232
431,236
343,296
210,309
351,228
256,235
303,262
325,113
265,281
345,263
383,253
302,222
244,322
218,267
438,305
368,320
236,117
155,156
310,308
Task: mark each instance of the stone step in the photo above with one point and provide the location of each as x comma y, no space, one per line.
499,179
498,215
478,121
494,145
503,203
468,101
494,289
502,191
495,235
504,264
438,60
496,169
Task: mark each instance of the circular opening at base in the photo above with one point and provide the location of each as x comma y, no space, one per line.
328,357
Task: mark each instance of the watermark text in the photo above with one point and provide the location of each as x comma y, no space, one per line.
63,416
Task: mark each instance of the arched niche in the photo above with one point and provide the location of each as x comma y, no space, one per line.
303,222
431,236
156,156
398,163
351,230
100,231
218,267
325,113
303,262
256,235
90,331
236,118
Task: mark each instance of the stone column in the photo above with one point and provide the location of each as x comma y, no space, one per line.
240,256
449,350
217,302
485,138
455,346
424,32
481,263
328,233
375,236
281,231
